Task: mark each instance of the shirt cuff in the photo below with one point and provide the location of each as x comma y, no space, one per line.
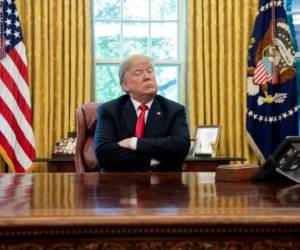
154,162
133,143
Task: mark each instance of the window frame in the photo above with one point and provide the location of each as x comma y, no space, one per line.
290,12
180,62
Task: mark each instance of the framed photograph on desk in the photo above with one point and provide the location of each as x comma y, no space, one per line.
207,140
192,148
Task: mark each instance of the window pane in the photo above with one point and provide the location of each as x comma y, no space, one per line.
298,77
164,9
136,9
293,16
107,9
296,22
294,6
164,40
135,38
107,40
107,84
167,81
126,27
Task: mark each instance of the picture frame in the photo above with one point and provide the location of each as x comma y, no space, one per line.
207,140
192,147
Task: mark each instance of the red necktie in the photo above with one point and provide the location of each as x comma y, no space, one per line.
140,123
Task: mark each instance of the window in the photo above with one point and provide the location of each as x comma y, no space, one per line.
293,16
151,27
292,8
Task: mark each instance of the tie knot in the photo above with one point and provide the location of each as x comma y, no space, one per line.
143,107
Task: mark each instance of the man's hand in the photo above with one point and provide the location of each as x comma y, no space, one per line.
125,143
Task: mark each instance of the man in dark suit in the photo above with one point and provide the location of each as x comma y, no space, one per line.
140,130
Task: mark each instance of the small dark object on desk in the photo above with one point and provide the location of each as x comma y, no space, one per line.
284,162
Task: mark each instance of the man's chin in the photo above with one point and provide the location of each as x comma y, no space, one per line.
150,91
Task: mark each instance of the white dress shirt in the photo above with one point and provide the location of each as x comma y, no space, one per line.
133,142
136,105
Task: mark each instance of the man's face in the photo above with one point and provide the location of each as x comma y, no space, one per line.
140,82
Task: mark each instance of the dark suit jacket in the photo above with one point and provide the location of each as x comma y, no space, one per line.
166,137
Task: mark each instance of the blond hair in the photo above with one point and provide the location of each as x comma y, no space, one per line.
128,62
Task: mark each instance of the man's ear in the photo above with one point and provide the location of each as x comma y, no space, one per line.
124,86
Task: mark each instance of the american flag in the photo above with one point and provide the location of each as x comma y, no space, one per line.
272,108
262,74
17,145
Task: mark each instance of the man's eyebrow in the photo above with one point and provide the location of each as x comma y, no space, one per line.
140,70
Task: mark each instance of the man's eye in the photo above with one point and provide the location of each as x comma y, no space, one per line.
137,73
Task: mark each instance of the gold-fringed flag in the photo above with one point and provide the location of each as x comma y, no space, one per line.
272,110
17,145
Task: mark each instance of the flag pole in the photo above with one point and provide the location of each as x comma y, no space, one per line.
275,79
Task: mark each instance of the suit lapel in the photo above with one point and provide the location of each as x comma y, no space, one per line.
129,116
154,118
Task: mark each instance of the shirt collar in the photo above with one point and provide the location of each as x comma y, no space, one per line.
136,104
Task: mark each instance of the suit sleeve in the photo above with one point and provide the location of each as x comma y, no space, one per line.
109,154
172,148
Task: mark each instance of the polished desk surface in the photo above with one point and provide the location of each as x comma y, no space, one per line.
139,198
172,211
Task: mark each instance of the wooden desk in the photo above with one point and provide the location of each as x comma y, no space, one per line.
59,164
206,164
191,164
145,211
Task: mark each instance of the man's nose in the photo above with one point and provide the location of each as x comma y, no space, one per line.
147,75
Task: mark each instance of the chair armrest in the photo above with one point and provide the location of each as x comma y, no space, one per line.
81,137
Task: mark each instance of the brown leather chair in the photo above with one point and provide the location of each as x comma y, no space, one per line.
85,159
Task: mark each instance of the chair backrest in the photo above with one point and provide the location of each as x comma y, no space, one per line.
85,159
